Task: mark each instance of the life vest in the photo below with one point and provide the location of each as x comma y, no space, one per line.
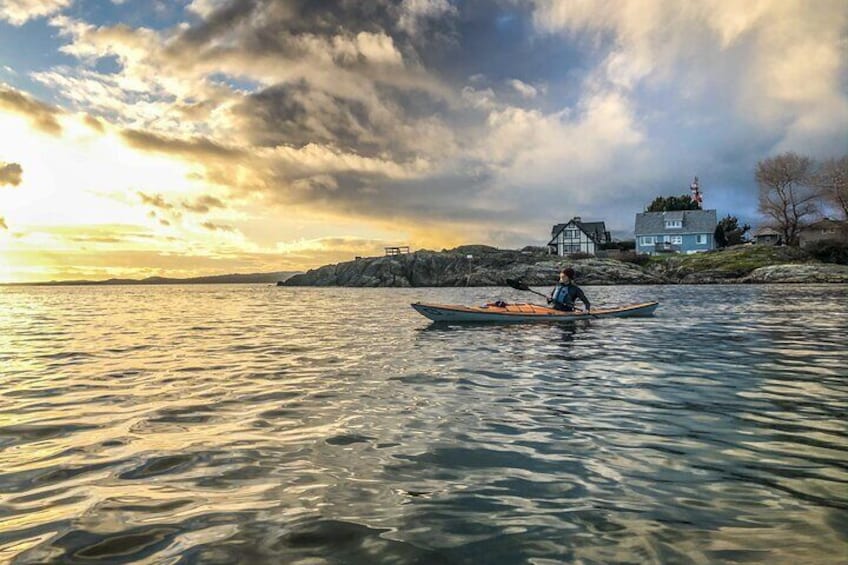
562,296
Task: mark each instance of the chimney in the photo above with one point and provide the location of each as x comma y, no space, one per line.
576,219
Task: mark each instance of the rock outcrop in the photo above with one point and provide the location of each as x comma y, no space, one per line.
799,273
470,265
480,265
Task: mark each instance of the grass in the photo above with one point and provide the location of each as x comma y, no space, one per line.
743,258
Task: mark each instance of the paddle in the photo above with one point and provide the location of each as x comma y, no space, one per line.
518,285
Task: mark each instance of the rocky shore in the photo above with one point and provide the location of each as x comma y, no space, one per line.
478,265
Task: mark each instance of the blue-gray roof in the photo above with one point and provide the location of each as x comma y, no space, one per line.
694,221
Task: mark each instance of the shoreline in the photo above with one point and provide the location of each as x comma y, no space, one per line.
481,266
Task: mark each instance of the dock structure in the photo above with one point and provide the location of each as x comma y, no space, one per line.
400,250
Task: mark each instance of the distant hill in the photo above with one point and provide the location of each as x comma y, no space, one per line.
234,278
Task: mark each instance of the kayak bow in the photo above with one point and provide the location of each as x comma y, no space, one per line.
525,312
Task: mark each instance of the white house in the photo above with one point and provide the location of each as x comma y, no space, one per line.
577,236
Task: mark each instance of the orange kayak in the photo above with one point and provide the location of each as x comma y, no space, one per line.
526,312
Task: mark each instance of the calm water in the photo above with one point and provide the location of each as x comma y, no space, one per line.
256,424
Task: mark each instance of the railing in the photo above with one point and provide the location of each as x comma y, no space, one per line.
666,247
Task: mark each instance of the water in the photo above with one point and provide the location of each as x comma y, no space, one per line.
256,424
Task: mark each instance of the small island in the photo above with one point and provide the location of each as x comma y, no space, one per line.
481,265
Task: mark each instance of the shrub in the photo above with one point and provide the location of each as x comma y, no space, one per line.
829,250
580,255
627,245
635,258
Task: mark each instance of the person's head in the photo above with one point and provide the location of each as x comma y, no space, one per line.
566,275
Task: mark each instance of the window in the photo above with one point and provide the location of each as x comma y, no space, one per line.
702,239
572,234
677,240
571,248
648,240
673,224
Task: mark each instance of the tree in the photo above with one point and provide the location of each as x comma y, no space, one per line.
672,203
728,232
787,196
719,237
832,182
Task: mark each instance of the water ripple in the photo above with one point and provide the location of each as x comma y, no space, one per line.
256,424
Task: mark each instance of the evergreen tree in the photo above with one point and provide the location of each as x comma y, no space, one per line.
672,203
728,232
718,235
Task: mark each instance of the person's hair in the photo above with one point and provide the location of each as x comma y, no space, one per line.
568,271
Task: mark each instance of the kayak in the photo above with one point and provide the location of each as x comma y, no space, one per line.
526,312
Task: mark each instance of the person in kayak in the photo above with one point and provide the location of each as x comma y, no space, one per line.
566,292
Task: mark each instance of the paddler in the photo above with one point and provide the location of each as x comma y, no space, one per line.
566,292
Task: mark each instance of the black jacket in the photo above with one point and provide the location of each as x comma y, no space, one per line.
564,296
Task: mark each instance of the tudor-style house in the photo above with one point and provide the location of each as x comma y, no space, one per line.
577,236
683,231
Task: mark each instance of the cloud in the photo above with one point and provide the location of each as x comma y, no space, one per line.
777,66
18,12
406,113
417,14
156,201
94,123
203,204
526,90
3,224
10,174
212,226
188,148
41,115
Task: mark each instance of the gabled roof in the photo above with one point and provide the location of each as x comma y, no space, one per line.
765,230
826,223
694,221
594,230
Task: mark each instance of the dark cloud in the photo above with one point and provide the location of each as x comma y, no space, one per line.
41,115
297,114
10,174
402,125
193,148
266,19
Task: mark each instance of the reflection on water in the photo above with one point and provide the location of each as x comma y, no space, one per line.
261,424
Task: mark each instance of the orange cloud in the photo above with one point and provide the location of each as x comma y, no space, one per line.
41,115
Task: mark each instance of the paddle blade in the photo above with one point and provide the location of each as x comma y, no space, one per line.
517,284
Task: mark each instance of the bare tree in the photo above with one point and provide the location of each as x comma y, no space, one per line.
832,182
787,195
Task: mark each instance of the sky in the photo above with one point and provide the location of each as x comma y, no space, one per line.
184,138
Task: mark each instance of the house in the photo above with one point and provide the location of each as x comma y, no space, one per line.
681,231
577,236
823,229
765,235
